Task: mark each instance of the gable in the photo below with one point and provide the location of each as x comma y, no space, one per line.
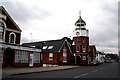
10,23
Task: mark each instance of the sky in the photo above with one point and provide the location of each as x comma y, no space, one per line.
55,19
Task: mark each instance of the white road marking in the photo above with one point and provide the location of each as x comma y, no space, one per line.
81,75
87,73
76,76
94,70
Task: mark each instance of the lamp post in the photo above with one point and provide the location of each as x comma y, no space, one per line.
31,36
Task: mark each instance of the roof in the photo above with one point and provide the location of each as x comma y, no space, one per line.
92,47
6,13
18,47
80,22
51,45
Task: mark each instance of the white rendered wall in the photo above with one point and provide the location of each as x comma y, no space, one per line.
82,33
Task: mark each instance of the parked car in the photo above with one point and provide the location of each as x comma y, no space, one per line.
101,62
108,60
94,63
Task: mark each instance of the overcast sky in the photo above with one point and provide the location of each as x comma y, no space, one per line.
55,19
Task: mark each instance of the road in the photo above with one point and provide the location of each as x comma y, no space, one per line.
106,70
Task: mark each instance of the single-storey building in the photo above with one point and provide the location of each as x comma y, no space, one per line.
54,52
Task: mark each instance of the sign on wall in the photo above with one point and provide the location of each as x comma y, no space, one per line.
20,47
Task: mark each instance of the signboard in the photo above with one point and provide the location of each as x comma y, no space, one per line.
19,47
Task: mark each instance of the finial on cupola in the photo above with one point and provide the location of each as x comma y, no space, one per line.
80,22
79,13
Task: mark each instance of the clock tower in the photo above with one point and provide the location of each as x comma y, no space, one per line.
81,42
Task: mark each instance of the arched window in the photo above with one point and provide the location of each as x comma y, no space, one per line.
64,54
84,48
12,38
1,30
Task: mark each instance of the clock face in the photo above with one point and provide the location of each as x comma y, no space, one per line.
77,33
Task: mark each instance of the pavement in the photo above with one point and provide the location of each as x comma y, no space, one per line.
25,70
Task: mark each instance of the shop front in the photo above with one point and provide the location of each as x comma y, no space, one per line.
20,56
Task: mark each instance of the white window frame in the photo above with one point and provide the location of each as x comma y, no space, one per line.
50,56
4,30
14,37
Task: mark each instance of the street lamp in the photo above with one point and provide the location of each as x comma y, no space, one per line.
31,36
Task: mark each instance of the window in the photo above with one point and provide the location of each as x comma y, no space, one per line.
36,58
50,47
50,56
83,48
21,56
77,40
77,47
84,58
12,38
1,30
83,40
64,54
44,47
78,25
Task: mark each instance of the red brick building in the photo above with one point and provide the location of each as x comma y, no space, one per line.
81,43
55,52
12,53
92,52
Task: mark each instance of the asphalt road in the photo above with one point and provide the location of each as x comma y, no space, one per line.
106,70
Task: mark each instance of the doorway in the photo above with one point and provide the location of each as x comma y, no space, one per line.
9,57
78,60
31,59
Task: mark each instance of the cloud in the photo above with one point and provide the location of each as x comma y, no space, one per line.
105,32
55,19
24,13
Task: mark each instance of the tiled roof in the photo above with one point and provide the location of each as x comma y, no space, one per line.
51,45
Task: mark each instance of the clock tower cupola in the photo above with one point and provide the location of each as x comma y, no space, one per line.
80,29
